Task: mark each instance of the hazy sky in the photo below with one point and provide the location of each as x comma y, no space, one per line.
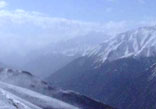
30,24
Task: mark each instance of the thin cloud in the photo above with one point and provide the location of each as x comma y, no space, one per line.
3,4
141,1
108,10
110,0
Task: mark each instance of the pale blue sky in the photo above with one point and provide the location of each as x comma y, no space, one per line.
90,10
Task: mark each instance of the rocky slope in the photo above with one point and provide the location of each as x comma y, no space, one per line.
27,84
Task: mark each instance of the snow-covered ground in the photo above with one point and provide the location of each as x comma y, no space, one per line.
14,97
23,83
10,101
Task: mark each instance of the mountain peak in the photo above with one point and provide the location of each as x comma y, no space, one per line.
139,42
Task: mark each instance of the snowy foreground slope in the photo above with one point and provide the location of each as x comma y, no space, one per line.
34,93
10,101
25,97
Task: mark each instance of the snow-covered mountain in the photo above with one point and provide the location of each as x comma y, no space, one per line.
140,42
115,71
36,92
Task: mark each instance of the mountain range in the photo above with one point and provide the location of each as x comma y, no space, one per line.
118,72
